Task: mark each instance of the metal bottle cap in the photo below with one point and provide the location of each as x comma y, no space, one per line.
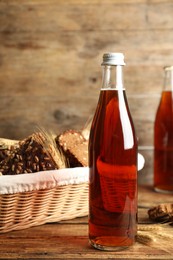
113,58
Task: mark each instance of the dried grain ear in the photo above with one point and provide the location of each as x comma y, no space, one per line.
47,140
145,238
86,129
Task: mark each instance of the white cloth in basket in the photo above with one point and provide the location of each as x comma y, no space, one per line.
10,184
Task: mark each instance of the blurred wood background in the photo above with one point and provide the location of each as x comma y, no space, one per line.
50,56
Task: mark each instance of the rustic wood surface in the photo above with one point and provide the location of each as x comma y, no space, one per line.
69,239
50,55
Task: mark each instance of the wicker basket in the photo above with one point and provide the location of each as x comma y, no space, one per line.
44,202
27,209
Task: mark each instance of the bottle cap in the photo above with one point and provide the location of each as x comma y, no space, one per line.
113,58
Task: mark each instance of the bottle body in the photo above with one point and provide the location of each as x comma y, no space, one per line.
113,173
163,137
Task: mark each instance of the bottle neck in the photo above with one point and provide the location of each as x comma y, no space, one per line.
168,80
112,77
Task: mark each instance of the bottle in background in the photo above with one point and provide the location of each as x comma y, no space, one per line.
163,137
112,163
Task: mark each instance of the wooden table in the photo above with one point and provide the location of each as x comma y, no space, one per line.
69,239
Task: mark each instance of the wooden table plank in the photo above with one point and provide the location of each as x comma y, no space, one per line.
69,239
59,241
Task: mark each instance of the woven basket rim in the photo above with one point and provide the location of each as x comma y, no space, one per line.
10,184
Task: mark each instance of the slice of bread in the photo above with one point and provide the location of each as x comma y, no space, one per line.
74,146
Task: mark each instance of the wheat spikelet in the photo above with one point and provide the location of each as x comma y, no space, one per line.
156,235
47,140
165,234
145,238
86,129
149,227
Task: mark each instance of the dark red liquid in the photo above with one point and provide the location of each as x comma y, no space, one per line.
163,144
113,173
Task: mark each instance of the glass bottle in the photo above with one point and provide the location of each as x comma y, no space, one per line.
163,137
112,163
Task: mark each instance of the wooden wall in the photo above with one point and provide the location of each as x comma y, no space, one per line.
50,55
